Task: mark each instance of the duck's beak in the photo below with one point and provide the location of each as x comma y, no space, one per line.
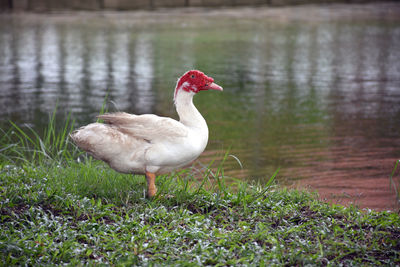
212,86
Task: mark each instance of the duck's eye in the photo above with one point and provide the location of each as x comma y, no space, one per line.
193,76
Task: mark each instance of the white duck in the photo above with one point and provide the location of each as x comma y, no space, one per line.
149,144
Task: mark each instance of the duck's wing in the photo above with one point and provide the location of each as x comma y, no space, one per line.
149,127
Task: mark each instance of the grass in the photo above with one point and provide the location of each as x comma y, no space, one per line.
56,210
393,183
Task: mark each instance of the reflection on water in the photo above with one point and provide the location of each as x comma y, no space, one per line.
144,98
318,98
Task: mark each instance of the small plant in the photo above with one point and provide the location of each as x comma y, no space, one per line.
392,182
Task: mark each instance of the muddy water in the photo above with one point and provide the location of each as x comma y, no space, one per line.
314,90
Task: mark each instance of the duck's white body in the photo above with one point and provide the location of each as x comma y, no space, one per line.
148,144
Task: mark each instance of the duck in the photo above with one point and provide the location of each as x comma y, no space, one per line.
149,144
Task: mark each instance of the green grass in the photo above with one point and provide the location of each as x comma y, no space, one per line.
57,210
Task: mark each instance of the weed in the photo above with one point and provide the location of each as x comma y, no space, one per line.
392,182
24,144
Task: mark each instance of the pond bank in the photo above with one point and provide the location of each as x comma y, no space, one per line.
58,207
84,213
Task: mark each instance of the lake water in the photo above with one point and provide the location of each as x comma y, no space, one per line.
312,90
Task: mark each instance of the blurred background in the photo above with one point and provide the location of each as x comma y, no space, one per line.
54,5
311,89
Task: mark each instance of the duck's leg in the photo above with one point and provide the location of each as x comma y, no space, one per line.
151,186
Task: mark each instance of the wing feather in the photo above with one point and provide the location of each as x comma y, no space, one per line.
149,127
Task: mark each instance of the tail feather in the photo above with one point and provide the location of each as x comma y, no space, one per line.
104,142
116,118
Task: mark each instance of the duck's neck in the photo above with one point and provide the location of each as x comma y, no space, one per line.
188,113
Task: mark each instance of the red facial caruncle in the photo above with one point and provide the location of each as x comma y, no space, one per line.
196,81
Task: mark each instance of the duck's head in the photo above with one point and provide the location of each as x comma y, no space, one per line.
195,81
